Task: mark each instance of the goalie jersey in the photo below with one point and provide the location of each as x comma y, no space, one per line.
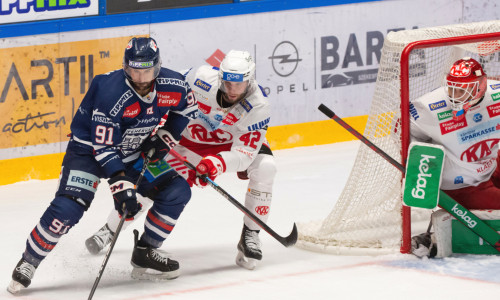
471,144
236,133
113,120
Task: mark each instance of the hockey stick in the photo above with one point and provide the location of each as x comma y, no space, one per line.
467,218
288,241
119,228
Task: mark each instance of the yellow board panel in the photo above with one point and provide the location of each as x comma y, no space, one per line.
313,133
42,86
279,137
33,167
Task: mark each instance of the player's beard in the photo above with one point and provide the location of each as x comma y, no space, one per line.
232,99
142,88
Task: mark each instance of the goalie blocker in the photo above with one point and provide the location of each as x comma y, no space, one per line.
421,189
473,223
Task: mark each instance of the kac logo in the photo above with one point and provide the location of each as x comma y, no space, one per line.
477,117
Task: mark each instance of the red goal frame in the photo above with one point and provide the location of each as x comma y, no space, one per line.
405,107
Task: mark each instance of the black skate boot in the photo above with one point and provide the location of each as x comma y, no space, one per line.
151,263
249,249
422,245
21,276
99,240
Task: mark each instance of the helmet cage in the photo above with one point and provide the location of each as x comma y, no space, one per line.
464,85
461,93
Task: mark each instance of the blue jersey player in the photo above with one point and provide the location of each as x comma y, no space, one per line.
142,108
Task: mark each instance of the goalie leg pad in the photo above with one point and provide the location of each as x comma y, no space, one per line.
441,221
444,230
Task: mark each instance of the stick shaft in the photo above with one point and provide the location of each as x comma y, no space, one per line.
445,201
285,241
118,229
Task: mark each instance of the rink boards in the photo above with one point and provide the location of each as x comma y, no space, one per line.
304,57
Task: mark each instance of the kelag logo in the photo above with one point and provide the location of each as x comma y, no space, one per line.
25,6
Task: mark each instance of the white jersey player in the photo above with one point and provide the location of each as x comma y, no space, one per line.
464,117
227,136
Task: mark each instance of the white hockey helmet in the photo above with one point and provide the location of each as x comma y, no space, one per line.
237,66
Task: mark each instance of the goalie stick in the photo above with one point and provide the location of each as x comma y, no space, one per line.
462,214
119,228
288,241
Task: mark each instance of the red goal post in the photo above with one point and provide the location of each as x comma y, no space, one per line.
369,217
480,39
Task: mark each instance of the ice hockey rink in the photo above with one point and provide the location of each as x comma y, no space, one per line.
308,182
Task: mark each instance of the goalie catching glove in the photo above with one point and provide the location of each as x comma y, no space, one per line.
161,143
210,166
124,194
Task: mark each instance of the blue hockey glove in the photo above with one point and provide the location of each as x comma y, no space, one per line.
161,142
124,194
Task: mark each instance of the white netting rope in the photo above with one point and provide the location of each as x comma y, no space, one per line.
367,216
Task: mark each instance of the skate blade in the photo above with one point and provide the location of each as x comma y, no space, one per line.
245,262
14,287
153,275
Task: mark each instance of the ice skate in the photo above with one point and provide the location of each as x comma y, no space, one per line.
151,263
423,246
249,252
99,240
21,276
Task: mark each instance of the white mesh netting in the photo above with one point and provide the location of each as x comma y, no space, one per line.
366,219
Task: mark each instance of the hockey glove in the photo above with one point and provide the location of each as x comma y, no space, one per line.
161,143
210,166
123,191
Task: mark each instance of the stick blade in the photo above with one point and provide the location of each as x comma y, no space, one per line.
291,239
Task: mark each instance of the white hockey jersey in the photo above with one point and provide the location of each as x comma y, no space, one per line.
471,144
238,131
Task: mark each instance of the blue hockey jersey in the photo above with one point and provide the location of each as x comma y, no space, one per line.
113,120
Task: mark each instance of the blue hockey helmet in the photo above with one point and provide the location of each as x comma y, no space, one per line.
142,54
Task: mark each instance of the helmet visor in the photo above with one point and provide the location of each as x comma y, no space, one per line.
144,72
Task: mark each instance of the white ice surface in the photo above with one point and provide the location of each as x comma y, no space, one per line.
308,182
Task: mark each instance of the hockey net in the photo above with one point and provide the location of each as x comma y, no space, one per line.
368,217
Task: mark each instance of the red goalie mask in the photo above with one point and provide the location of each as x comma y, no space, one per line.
464,85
